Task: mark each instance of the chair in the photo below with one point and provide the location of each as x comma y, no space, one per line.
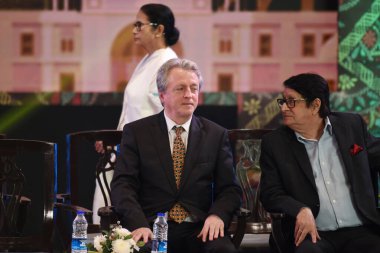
245,145
27,195
84,166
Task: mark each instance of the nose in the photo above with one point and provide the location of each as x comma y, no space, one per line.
187,92
135,30
284,107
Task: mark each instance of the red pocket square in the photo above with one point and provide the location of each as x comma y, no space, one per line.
355,149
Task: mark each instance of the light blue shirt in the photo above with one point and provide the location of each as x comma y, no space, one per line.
336,205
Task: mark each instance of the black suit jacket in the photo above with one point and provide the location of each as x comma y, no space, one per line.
143,183
287,181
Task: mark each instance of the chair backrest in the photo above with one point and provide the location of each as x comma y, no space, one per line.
27,194
85,165
246,147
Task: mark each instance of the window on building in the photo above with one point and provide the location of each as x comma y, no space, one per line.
225,46
225,82
265,45
67,82
67,45
27,44
308,45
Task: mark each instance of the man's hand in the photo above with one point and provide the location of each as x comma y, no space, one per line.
142,233
213,227
305,224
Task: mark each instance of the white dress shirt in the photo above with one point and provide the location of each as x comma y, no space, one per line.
184,135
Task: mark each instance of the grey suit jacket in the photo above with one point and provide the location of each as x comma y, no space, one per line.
287,181
144,183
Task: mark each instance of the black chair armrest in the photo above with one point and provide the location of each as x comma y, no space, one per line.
277,231
23,212
277,215
238,232
63,197
108,217
73,208
106,211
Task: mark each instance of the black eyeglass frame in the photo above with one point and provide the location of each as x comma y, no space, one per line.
290,102
138,25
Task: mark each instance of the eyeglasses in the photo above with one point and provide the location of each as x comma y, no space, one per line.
290,102
138,25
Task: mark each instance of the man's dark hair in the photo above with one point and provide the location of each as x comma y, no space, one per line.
311,86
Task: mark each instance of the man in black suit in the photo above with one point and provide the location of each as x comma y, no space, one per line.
320,169
205,194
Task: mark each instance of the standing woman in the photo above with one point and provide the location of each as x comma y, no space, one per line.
155,31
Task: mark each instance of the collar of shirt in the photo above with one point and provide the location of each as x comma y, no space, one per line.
327,127
170,123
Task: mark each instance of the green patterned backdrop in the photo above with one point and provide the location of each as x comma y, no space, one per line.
359,61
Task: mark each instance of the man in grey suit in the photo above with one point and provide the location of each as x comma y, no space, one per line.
201,200
320,169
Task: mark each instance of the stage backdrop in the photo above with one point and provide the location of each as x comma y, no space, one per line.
359,61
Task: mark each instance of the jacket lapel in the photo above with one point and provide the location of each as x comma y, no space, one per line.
344,139
192,151
161,143
301,156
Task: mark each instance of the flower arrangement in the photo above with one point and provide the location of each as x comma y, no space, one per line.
118,240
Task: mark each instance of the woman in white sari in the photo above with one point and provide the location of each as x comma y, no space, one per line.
155,31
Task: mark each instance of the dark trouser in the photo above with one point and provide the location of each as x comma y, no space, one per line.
182,238
346,240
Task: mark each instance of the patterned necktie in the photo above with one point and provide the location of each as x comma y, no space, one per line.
178,213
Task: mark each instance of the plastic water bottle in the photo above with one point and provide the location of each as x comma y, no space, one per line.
160,234
79,237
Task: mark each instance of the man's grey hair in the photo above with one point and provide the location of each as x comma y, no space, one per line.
163,72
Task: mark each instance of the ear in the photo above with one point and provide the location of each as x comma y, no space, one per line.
160,30
316,104
161,95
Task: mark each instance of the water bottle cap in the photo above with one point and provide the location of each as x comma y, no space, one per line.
80,212
160,214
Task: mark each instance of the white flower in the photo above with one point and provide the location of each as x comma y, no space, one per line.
97,242
122,232
121,246
120,239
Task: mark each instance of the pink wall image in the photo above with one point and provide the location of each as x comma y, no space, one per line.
91,49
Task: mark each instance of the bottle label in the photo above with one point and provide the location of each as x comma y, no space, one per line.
78,244
162,246
159,246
